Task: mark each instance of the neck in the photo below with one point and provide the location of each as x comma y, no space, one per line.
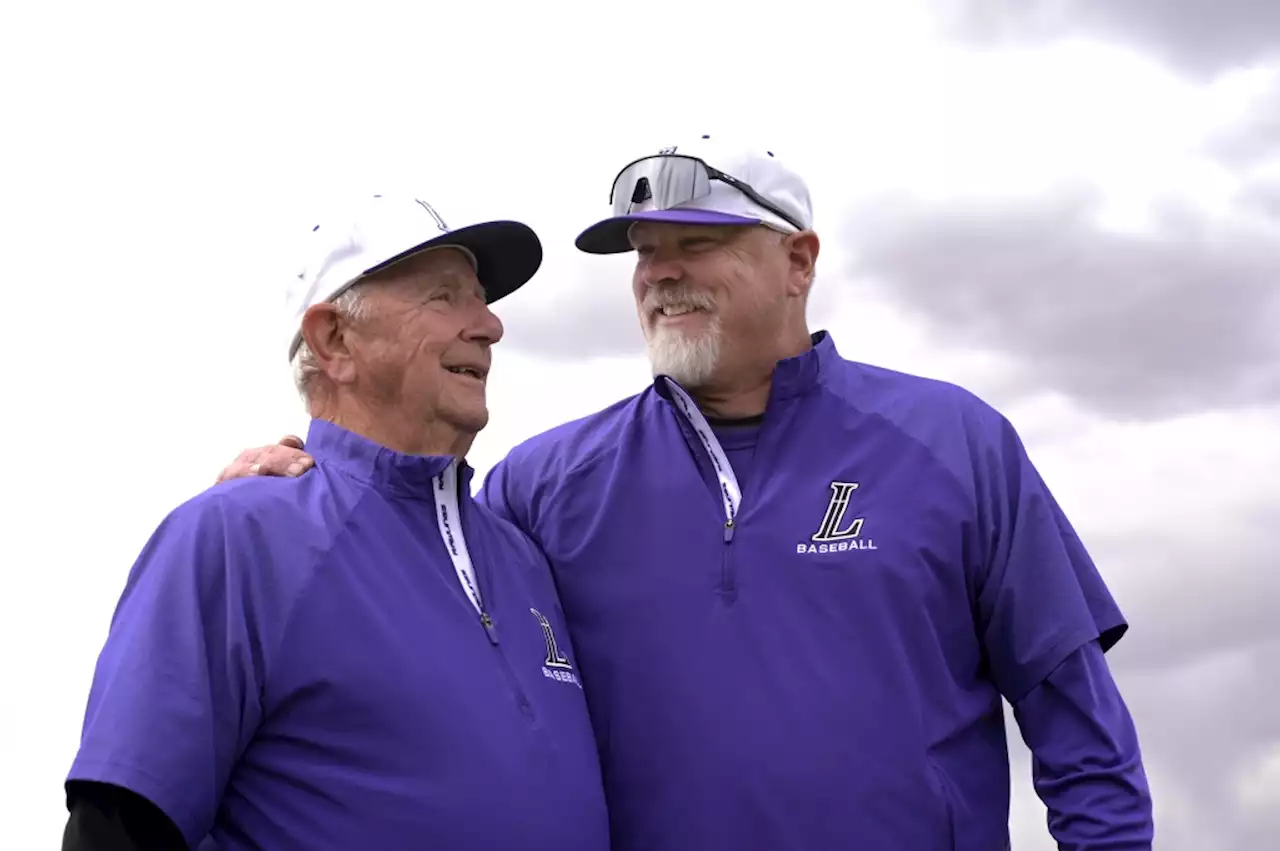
746,392
733,403
391,430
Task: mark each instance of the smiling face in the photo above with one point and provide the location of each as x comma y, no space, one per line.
408,368
711,300
424,348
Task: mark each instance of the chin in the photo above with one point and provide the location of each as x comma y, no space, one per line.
466,418
691,361
474,421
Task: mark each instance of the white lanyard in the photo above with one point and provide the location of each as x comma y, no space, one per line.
729,491
450,519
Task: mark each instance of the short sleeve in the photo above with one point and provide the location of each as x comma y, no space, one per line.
175,693
1039,594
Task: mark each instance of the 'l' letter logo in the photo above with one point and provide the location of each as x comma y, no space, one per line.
836,509
555,658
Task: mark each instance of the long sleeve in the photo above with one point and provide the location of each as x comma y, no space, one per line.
1086,761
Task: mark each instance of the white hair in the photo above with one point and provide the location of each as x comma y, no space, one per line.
350,304
690,360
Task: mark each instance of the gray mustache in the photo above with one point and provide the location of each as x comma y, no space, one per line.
656,300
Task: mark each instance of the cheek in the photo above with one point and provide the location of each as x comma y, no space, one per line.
413,359
750,301
425,356
638,288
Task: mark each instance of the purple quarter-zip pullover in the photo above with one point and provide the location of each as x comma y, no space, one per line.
294,664
814,656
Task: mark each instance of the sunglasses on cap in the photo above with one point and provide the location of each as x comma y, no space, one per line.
665,181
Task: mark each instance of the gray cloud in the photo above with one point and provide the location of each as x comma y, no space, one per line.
1197,667
590,315
1217,591
1262,195
1133,326
1201,726
1255,140
1199,36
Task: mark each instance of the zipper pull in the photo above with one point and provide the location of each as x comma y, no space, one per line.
728,531
487,623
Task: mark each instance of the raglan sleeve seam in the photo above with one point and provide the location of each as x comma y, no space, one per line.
306,586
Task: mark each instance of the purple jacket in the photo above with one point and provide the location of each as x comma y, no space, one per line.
295,665
803,641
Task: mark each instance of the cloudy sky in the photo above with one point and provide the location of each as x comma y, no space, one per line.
1072,208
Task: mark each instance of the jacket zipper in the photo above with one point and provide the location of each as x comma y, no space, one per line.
728,579
728,587
486,621
728,583
522,700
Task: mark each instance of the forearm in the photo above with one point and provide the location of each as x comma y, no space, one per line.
1087,764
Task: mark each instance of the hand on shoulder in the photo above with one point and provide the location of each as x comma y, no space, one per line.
286,458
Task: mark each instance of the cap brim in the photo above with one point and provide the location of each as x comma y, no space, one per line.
508,254
610,236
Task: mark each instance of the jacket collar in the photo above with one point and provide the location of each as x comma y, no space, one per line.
792,377
385,469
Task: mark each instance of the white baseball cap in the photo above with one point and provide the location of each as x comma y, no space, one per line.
384,229
705,182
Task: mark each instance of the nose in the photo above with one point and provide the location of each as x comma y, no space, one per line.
658,268
484,326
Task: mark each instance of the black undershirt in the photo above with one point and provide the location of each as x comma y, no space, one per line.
111,818
739,422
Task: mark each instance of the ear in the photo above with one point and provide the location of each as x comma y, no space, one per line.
802,252
326,333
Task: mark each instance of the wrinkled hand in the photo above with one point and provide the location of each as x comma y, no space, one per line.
285,458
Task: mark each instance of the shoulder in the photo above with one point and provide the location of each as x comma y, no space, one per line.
507,542
498,530
285,505
270,504
951,422
912,402
248,531
536,471
900,396
574,444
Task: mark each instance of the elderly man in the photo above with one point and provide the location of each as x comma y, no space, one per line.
363,658
800,586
